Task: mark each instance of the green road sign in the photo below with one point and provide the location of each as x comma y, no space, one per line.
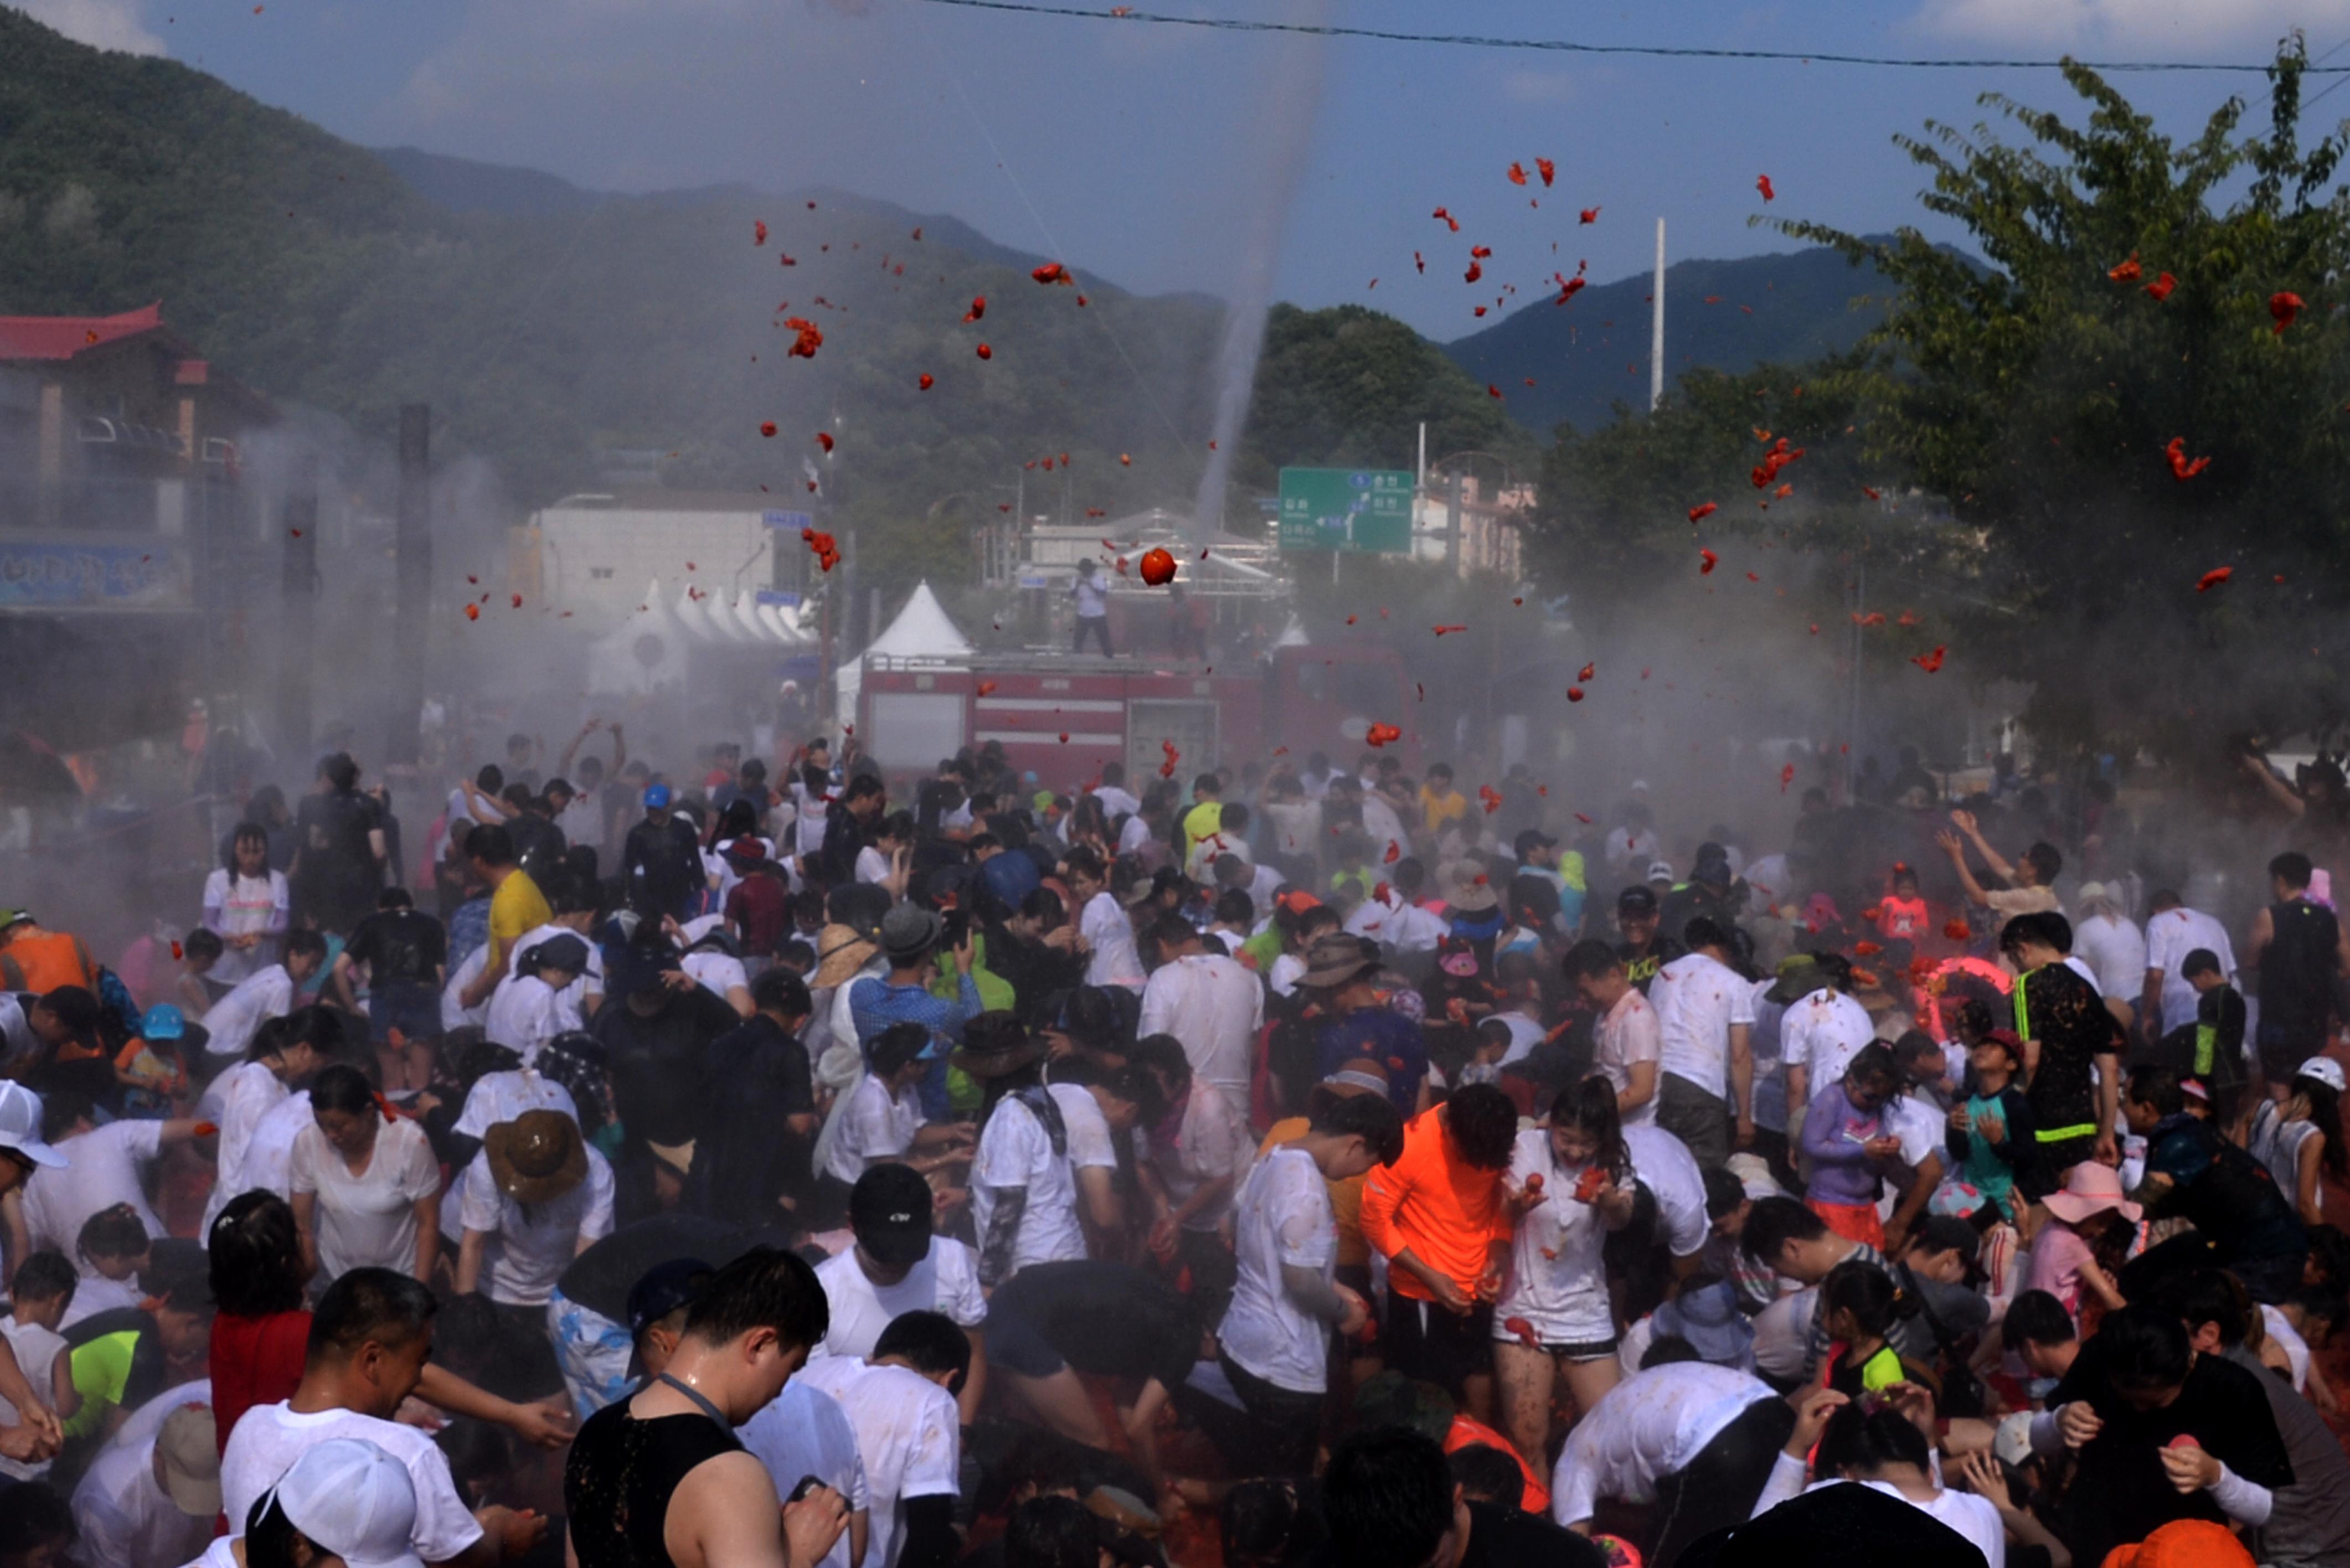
1358,509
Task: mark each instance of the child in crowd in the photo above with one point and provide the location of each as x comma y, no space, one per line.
43,1289
2298,1138
113,1247
1992,1130
2212,1049
152,1074
1860,1303
1850,1146
2078,1253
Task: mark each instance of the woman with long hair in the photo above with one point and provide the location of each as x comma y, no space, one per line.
1570,1183
246,905
2298,1138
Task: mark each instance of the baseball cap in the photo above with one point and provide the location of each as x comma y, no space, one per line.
163,1022
2324,1069
354,1499
889,1209
662,1289
190,1450
20,1126
2013,1442
567,953
1638,899
12,916
656,797
1660,871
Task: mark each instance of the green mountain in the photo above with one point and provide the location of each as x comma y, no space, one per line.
1591,353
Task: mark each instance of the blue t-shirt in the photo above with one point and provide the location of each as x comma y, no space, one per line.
1387,1038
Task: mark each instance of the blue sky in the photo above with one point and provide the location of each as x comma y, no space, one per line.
1133,151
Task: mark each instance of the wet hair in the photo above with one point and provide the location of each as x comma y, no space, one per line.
929,1342
1773,1223
246,832
1388,1497
781,990
2037,1317
1704,932
2045,927
763,1288
1868,1294
1588,960
203,942
2145,1349
896,1047
1864,1437
1483,1125
2202,961
1052,1532
342,1087
1233,905
1371,1118
254,1255
1588,1106
1172,930
1666,1349
1723,1192
1972,1018
491,844
2207,1295
1873,1064
45,1276
115,1233
366,1305
2293,868
1163,1054
1486,1474
1267,1524
61,1112
2158,1089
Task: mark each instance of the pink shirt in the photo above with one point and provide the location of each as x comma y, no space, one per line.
2058,1256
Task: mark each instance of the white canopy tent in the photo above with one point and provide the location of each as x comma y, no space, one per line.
922,629
650,646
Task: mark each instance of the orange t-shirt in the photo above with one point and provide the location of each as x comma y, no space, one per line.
1446,1210
1469,1433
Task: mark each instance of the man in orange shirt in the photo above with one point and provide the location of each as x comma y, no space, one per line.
1442,1218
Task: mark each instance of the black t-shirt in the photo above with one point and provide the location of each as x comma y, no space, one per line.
656,1063
744,1158
2121,1492
621,1475
538,845
1511,1538
339,871
661,862
1109,1319
399,945
2064,1013
2227,1195
1641,968
2297,966
601,1278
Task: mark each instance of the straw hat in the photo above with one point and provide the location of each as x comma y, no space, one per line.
2091,1188
1335,958
841,951
537,1156
1470,893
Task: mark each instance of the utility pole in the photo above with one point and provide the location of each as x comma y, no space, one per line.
298,600
1452,524
1656,328
413,536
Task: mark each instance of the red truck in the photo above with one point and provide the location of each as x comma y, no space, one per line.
1061,716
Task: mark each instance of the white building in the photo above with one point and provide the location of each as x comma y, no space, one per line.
593,555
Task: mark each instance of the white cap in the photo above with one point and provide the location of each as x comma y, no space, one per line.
20,1125
354,1499
2324,1069
1661,870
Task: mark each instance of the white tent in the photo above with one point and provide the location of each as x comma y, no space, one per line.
644,651
923,629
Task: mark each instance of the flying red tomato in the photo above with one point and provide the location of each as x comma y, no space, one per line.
927,382
1547,170
1585,673
1517,174
2126,271
2284,307
1442,629
1703,511
2160,290
985,352
1574,693
1157,567
1590,215
2213,578
767,427
824,440
1052,272
1706,562
1381,735
978,308
473,612
758,233
1763,183
1928,662
2183,468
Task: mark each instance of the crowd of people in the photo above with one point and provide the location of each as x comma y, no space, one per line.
1290,1164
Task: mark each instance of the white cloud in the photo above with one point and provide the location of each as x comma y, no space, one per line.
102,23
2140,26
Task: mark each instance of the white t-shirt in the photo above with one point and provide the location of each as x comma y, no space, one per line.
36,1350
1212,1144
2115,949
2296,1349
454,1013
96,1294
1383,828
263,994
1666,1168
1558,1280
125,1520
908,1435
269,1155
526,1012
2170,936
366,1221
1015,1151
875,1126
502,1096
102,1169
1629,1034
1647,1427
872,866
528,1249
247,905
803,1431
1286,972
269,1438
946,1281
236,1102
717,973
1282,1219
1114,960
1703,1000
1823,1033
1972,1517
1215,1007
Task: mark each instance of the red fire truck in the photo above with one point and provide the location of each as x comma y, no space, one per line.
1061,716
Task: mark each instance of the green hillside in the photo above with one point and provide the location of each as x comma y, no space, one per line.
1591,353
544,329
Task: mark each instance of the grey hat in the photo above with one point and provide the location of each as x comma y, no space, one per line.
909,930
1710,1319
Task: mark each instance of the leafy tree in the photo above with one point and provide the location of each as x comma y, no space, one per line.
2038,391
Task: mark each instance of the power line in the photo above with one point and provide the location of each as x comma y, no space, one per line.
1568,47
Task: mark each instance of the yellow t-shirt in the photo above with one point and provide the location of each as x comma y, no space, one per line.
1204,820
517,909
1439,809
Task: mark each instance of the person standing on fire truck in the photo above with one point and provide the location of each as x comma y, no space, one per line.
1092,594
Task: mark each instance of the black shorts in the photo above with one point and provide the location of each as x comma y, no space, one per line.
1424,1341
410,1006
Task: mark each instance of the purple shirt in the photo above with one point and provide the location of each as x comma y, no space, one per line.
1834,1132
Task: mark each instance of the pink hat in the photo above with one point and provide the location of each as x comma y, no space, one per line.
2091,1188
